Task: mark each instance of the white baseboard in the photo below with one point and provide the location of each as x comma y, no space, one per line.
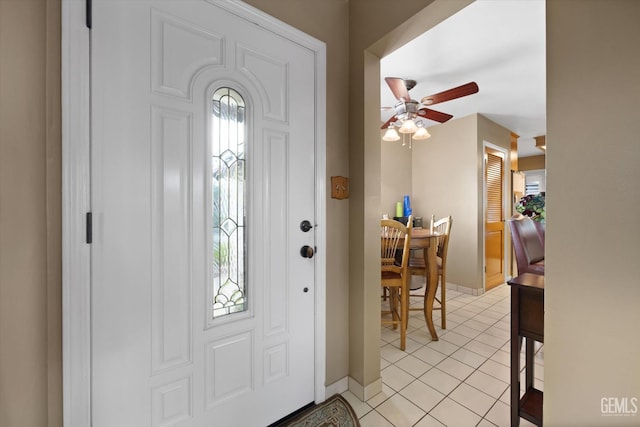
337,387
365,393
465,289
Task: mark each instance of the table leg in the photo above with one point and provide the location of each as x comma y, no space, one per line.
516,344
529,363
432,286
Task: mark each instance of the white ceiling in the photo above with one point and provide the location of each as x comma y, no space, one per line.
499,44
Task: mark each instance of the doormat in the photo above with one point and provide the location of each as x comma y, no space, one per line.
333,412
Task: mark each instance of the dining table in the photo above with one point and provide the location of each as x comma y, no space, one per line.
427,239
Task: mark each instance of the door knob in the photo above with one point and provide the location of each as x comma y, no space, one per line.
305,226
306,251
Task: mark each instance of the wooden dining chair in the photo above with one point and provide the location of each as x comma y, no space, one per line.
418,266
394,273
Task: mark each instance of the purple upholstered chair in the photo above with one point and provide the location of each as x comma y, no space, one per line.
528,244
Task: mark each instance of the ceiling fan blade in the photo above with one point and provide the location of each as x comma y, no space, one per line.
434,115
448,95
388,122
398,88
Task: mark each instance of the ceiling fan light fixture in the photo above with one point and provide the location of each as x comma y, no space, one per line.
421,133
407,108
408,126
391,134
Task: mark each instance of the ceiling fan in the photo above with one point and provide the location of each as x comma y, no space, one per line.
407,109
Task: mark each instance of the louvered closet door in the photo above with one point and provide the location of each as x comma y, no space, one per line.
494,218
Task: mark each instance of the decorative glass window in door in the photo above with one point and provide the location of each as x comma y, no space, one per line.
229,188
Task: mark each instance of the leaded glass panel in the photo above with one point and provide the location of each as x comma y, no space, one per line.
228,179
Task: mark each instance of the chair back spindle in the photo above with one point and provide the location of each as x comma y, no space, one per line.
418,265
395,241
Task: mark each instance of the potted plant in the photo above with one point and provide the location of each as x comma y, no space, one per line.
532,206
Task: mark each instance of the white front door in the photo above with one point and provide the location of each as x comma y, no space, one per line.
194,204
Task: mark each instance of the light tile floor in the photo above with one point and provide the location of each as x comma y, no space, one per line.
460,380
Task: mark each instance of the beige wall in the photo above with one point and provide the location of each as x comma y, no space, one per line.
592,291
448,178
445,183
591,296
531,163
369,21
493,133
30,264
395,176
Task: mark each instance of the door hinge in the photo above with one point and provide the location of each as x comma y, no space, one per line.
88,13
89,228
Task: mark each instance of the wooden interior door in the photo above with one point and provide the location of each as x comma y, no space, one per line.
494,217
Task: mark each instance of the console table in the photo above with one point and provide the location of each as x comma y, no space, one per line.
527,321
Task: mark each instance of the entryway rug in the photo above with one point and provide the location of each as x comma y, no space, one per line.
333,412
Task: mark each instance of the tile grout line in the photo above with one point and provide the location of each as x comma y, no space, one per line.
486,302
